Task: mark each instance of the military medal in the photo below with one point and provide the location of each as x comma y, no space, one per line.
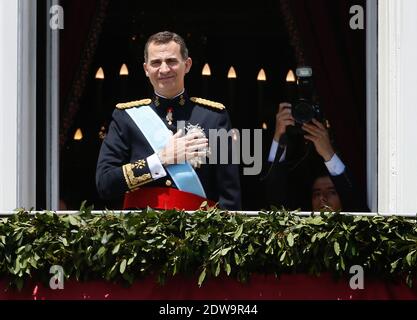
169,117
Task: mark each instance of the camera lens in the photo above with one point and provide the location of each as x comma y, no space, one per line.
303,112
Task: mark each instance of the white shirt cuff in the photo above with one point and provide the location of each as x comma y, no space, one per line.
273,152
155,167
335,166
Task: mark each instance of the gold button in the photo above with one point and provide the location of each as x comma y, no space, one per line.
168,183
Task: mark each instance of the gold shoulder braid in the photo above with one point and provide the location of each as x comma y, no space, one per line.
208,103
131,104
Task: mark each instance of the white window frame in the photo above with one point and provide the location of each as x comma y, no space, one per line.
397,106
372,103
52,113
18,104
8,103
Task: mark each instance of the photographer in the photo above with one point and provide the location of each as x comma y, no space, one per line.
307,174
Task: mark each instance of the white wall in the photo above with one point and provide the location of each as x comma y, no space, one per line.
17,104
8,103
397,154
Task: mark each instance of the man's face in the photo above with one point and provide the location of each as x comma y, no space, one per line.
325,195
166,68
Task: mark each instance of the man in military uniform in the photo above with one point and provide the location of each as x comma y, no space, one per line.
146,155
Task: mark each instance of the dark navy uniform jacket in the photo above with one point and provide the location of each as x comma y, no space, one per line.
122,164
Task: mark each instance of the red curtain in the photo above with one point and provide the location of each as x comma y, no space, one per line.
78,19
78,43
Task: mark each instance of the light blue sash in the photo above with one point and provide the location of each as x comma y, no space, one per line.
157,134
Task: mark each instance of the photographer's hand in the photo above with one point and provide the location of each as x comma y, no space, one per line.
318,134
282,120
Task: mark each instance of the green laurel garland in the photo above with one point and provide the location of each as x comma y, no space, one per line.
124,247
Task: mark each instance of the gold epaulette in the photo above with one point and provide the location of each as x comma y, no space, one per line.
131,104
208,103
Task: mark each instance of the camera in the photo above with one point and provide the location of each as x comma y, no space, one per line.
304,107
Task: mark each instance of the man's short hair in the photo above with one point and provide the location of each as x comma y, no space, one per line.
318,171
165,37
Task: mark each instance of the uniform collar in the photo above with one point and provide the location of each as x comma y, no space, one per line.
180,100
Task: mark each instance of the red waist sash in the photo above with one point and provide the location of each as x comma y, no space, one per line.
163,199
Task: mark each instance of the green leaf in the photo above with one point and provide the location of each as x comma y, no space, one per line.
250,249
228,268
394,265
116,248
101,251
271,238
283,256
215,254
129,262
317,221
336,247
217,272
409,280
20,249
204,237
17,265
321,235
105,238
33,263
18,236
174,271
342,263
225,251
123,266
201,277
353,250
237,259
290,239
238,232
113,269
409,258
72,220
